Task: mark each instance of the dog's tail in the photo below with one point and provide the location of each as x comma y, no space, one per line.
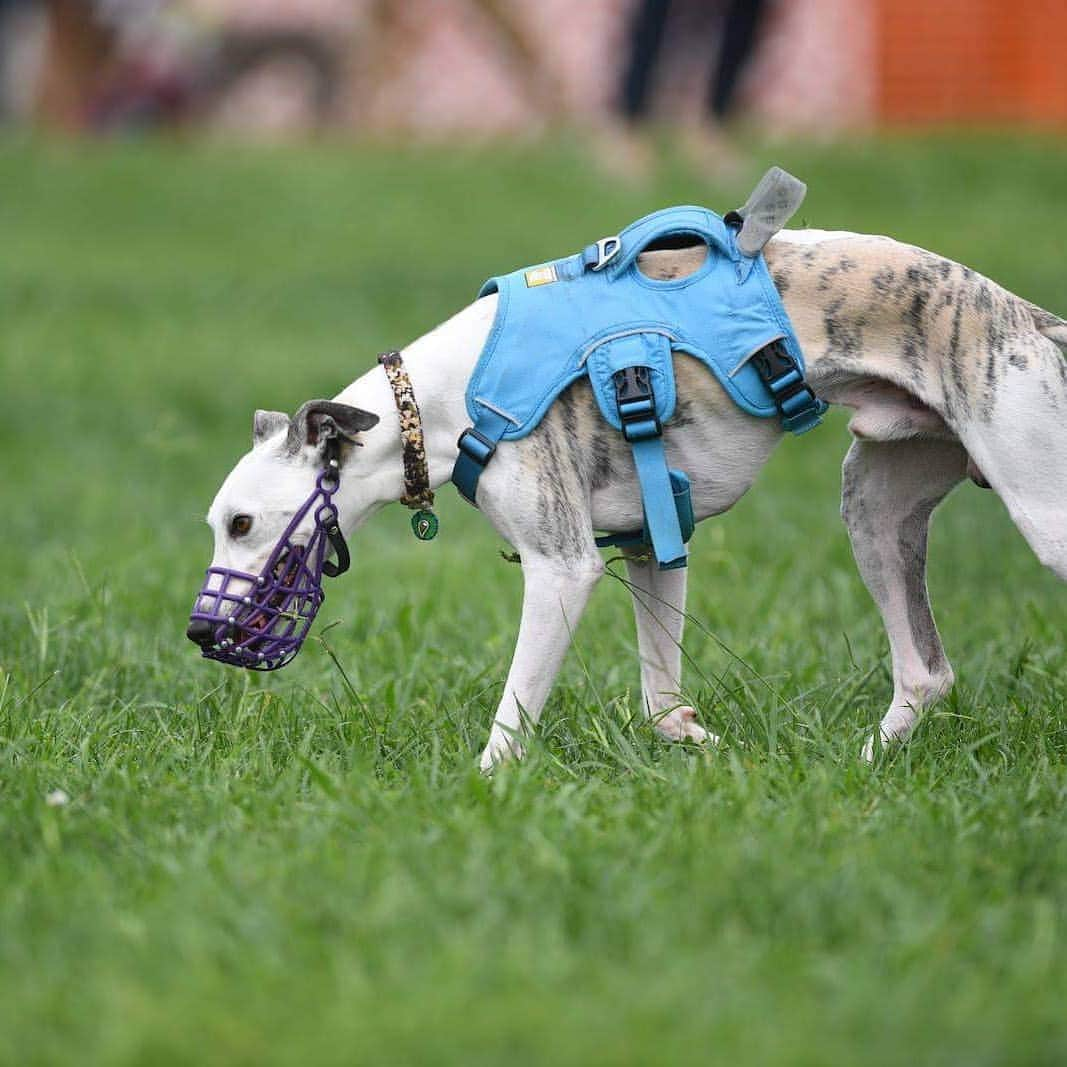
1052,326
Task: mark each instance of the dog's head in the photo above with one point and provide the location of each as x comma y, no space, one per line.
269,484
275,519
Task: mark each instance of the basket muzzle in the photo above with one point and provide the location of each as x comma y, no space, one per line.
259,621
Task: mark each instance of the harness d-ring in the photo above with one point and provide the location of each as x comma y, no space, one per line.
607,248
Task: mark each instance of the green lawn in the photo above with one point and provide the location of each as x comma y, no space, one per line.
306,868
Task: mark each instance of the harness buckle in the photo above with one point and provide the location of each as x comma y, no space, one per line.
798,407
636,403
607,248
476,445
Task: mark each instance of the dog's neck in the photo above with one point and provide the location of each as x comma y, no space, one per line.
439,365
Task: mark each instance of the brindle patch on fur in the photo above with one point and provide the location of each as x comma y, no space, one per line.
955,363
603,472
559,532
882,280
844,334
683,414
828,274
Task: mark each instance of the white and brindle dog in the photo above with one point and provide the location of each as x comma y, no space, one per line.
947,374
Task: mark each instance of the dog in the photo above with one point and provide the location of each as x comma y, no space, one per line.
947,376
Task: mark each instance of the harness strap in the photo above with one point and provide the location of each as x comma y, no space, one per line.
477,446
641,428
417,492
657,496
683,504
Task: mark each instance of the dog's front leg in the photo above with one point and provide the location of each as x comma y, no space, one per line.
659,611
554,597
889,490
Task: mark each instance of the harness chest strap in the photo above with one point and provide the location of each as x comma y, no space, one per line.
477,446
641,427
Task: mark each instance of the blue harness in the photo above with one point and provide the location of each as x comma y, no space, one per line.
595,314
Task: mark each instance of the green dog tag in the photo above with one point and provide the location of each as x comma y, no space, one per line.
424,525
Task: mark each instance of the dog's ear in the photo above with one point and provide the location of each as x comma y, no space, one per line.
318,421
266,424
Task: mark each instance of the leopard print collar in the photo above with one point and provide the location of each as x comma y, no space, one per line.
417,491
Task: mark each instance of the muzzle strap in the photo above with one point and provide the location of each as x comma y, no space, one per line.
340,548
417,492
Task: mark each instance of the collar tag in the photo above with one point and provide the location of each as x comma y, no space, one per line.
424,524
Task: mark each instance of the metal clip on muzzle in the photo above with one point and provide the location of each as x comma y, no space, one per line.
327,520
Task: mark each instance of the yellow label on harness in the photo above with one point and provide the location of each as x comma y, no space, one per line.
541,276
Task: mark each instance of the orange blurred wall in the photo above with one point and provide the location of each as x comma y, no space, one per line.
972,60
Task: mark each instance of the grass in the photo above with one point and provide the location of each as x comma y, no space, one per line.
306,868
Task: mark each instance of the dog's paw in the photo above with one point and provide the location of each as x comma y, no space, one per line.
893,730
501,749
680,724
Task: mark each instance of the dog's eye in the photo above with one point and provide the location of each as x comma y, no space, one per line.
240,525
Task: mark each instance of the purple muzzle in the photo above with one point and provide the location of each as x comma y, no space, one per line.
260,620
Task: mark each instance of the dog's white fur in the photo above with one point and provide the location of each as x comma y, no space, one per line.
947,374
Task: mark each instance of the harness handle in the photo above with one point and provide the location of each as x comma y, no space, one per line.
670,222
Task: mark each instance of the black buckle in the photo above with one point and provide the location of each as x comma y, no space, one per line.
782,375
481,453
791,391
636,403
773,362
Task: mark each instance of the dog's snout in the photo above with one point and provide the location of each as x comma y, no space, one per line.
200,632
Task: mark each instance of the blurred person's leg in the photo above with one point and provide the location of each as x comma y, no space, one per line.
739,35
646,40
706,144
622,150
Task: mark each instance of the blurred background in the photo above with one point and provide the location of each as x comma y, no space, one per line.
213,206
443,68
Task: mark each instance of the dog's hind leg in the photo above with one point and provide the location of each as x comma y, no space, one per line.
889,490
659,610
